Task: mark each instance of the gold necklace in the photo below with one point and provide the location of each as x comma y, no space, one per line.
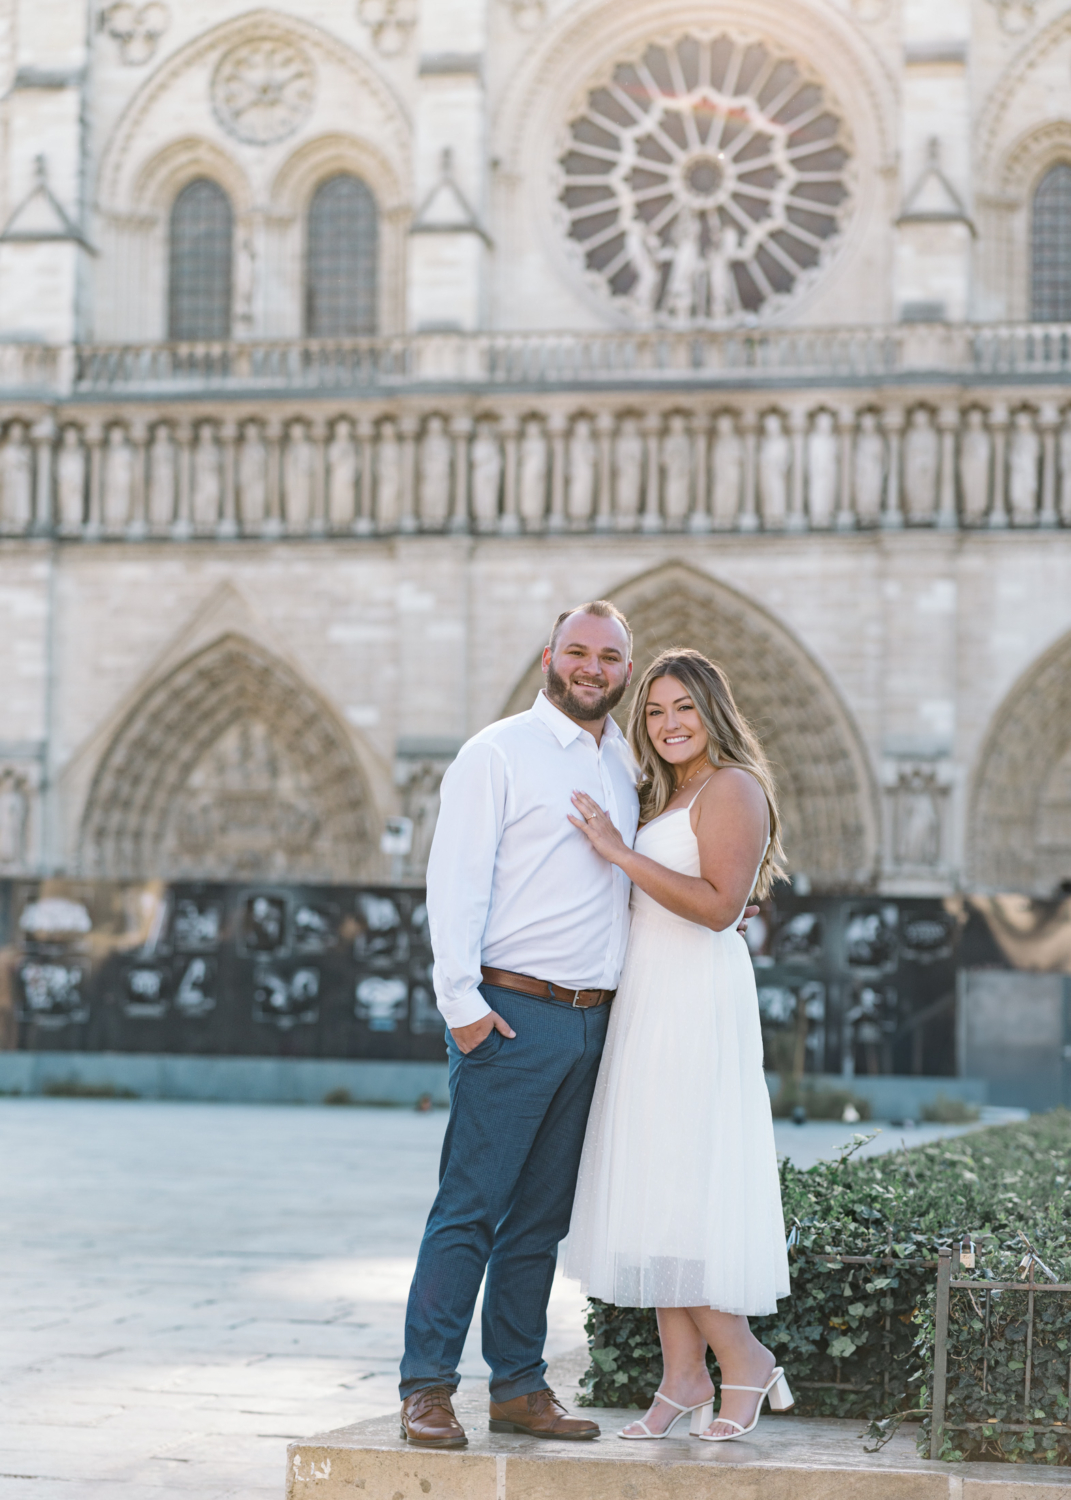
705,766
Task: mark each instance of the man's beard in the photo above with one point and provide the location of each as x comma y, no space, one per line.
561,695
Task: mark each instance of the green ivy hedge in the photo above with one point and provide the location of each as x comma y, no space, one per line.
857,1341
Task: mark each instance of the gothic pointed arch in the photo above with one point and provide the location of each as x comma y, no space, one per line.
230,766
1020,803
826,788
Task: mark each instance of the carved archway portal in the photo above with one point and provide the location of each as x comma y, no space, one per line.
1020,818
827,795
230,767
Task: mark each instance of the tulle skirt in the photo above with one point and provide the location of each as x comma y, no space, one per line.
678,1201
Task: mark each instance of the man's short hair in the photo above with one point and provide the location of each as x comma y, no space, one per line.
601,607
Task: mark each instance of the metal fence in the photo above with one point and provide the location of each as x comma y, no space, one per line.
947,1284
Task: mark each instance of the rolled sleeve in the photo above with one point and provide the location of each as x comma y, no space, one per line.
461,869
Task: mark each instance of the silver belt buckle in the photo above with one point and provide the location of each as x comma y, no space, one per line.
576,1001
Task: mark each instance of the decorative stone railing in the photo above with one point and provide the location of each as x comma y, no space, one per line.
700,357
538,360
796,458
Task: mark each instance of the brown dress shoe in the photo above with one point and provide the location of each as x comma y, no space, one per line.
428,1419
540,1414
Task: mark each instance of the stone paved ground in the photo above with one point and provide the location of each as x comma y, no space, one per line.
185,1287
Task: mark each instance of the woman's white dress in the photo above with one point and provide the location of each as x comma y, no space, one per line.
678,1202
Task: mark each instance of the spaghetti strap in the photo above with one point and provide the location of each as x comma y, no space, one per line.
689,805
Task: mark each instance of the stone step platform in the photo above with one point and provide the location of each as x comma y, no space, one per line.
786,1458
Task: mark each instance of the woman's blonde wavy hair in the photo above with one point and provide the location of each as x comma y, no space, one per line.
730,742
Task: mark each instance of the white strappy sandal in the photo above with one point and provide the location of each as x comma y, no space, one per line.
780,1398
702,1416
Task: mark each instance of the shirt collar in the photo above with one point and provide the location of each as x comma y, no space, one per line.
564,729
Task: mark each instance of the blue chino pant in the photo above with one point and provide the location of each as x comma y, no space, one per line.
518,1108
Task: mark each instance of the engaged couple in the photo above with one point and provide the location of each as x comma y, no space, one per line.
605,1054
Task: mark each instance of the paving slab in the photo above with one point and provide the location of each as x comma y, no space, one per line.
787,1458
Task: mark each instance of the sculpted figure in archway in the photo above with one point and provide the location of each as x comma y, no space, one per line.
229,766
1020,804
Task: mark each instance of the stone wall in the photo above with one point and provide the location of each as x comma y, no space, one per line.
187,680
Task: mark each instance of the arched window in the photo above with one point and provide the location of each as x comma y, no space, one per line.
1051,290
202,232
340,275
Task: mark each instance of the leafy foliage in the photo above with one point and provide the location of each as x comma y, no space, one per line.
857,1341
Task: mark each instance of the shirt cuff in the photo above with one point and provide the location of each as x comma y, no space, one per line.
463,1010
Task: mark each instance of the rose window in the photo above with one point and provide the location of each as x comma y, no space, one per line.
705,180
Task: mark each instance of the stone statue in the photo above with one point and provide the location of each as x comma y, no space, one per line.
580,495
342,477
822,470
775,458
642,253
435,473
118,480
297,479
388,478
723,296
918,824
161,479
728,471
252,478
682,283
1065,469
921,456
1024,454
207,488
486,476
628,473
71,481
869,470
676,470
14,811
533,480
974,452
17,498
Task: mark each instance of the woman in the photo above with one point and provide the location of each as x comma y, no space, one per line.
678,1203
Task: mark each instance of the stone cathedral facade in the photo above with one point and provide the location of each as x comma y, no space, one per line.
344,342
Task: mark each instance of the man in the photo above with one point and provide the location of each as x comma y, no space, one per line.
528,928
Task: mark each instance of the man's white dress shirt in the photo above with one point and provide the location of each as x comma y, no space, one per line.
511,883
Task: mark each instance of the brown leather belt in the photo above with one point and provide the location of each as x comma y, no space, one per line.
542,989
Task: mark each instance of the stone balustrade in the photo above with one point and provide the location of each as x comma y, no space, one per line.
784,460
671,357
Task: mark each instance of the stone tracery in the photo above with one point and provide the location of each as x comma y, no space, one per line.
824,781
1020,815
228,767
704,180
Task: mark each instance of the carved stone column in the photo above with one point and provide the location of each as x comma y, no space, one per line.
797,511
273,489
557,426
948,426
365,523
998,510
699,520
408,428
509,523
138,436
94,436
228,516
749,431
892,420
460,431
845,518
651,519
318,499
1048,419
604,504
44,436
